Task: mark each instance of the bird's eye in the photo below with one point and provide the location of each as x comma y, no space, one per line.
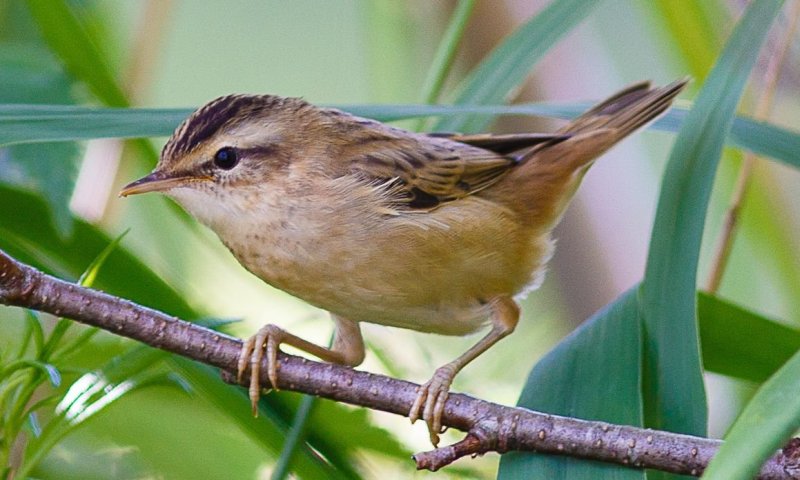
226,158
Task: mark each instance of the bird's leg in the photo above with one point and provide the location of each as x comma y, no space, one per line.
432,395
347,349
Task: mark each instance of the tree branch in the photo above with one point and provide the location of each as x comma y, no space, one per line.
490,427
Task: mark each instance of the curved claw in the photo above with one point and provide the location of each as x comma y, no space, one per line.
247,349
422,394
272,359
268,339
433,395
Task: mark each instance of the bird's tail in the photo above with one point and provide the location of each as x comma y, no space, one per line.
549,173
605,124
627,110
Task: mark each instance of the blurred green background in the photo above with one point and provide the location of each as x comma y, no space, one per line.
182,54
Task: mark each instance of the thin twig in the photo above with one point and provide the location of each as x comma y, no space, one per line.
490,427
762,111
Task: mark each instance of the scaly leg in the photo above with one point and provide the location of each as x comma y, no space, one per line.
347,349
432,395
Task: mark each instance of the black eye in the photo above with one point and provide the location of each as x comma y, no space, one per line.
226,158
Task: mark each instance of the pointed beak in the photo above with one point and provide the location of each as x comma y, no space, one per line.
158,182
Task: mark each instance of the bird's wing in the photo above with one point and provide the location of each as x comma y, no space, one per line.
425,172
503,144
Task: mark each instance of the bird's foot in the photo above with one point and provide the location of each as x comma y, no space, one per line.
430,401
264,343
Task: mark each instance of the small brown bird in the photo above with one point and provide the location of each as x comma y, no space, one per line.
437,233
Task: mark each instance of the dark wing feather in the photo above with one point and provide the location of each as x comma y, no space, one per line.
426,171
502,144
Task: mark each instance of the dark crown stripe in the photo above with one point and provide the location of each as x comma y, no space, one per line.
204,123
210,118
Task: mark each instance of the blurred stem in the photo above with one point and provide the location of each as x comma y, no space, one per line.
294,437
94,186
48,438
55,337
147,45
295,434
15,417
693,28
386,361
76,344
38,333
33,331
445,53
762,111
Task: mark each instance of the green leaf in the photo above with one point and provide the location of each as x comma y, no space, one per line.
765,424
89,275
33,321
673,384
68,38
500,73
740,343
695,31
332,428
592,374
89,395
93,391
267,429
293,438
33,421
690,26
48,123
47,369
445,53
30,75
333,423
37,123
75,38
50,170
26,232
735,342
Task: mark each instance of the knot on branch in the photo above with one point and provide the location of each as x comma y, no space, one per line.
16,282
489,433
433,460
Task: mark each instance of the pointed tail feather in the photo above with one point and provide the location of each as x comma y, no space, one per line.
602,126
628,110
547,175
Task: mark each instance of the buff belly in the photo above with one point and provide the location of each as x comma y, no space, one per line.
434,272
